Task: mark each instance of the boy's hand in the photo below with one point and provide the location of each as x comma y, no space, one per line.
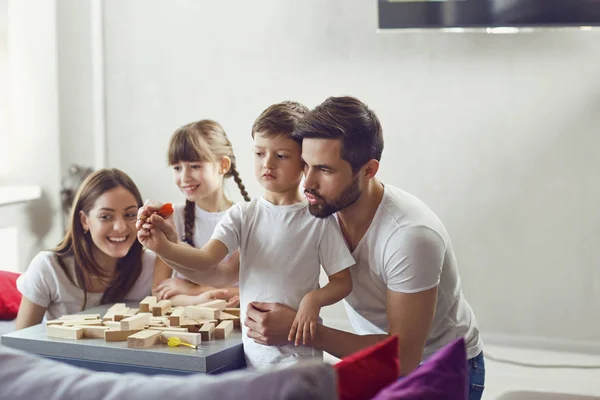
304,327
153,238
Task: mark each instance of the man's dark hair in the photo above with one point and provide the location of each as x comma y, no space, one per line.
351,121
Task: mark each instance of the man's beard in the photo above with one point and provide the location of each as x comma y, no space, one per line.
323,209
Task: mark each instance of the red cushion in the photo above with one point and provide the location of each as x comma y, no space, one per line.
10,297
364,373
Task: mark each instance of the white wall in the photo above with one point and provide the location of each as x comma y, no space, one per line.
498,134
31,149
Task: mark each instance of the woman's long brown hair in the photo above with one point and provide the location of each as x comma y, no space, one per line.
79,245
202,141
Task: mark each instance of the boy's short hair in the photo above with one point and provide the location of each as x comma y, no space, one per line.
349,120
280,119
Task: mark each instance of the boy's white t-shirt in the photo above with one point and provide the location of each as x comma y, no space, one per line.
407,249
281,251
46,284
204,225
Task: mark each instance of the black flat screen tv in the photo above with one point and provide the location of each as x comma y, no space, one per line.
432,14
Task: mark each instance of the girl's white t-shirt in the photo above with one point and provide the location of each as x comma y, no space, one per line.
46,284
204,225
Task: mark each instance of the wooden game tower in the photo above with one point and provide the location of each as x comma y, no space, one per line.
152,323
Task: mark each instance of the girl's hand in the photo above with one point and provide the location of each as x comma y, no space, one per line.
172,287
304,326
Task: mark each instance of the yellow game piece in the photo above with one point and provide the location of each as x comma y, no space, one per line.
175,341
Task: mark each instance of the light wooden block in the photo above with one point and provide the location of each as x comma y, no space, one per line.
113,325
185,337
233,311
207,332
72,322
168,329
138,321
80,316
118,336
223,329
161,308
143,339
110,313
196,312
96,332
120,315
176,316
228,317
54,322
218,304
195,321
147,304
131,312
64,332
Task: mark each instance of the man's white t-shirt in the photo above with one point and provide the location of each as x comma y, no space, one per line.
204,225
281,251
407,249
46,284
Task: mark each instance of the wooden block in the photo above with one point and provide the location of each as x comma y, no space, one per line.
207,332
80,316
201,312
228,317
233,311
185,337
54,322
147,304
118,336
120,315
143,339
168,329
223,329
138,321
64,332
110,313
196,321
161,308
131,312
218,304
113,325
176,316
72,322
93,331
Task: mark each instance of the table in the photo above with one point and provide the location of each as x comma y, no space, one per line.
212,357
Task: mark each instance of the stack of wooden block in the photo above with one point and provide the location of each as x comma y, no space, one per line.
152,323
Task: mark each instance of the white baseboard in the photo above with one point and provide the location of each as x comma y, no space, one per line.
541,343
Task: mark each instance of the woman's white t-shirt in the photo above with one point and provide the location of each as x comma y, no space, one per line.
46,284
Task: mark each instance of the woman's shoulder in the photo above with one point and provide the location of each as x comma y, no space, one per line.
44,261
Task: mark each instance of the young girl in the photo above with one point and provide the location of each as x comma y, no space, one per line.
202,158
282,245
98,261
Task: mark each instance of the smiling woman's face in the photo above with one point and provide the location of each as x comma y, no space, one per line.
111,222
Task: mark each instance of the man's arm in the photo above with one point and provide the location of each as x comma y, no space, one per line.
410,316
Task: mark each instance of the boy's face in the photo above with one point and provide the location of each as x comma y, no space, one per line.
278,165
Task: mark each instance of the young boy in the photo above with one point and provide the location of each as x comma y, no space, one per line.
281,244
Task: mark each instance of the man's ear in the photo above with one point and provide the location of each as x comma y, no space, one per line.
225,165
371,168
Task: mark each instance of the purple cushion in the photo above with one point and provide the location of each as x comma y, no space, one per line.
442,376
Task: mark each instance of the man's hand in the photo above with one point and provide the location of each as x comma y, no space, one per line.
304,327
269,323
